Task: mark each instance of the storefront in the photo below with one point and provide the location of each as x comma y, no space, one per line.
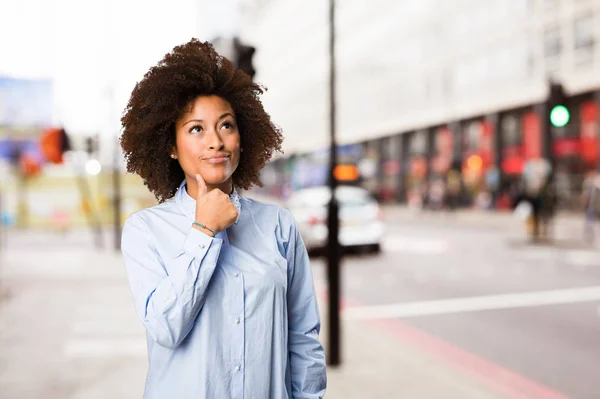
478,158
417,166
391,169
575,148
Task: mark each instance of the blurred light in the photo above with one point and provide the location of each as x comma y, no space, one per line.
367,167
93,167
314,220
474,162
346,172
559,116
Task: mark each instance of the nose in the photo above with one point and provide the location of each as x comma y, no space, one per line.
213,140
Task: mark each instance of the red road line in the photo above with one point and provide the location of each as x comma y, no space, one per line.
500,379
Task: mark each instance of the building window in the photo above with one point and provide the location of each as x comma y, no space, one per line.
584,32
552,42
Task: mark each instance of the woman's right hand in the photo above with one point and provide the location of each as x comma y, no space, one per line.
214,209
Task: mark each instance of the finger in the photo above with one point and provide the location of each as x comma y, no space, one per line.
202,190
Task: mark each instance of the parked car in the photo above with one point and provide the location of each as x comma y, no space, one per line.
361,222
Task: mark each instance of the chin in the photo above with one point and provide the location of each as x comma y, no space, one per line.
214,178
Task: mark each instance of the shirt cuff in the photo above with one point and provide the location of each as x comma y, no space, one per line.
197,242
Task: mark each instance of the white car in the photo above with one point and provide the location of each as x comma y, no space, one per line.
361,223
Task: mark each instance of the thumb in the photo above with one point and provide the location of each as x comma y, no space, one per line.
202,190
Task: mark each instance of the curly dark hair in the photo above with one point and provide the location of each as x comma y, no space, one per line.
167,90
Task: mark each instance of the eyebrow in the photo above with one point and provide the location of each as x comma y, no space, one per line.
220,117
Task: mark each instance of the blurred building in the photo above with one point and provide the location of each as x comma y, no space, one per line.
429,85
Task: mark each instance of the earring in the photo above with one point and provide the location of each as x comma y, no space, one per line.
173,156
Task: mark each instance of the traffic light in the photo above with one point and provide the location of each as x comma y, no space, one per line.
559,115
54,143
243,57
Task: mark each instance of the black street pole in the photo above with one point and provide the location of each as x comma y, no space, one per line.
333,247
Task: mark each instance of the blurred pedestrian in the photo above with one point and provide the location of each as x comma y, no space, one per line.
222,283
533,200
591,204
548,205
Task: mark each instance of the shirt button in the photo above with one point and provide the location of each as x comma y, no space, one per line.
237,320
236,274
202,246
238,368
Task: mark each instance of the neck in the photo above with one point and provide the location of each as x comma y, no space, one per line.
192,187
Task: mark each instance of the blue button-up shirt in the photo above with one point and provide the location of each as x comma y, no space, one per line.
233,316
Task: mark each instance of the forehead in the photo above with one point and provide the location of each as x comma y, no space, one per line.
207,106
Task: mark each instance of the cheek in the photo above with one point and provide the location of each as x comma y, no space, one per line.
235,144
189,147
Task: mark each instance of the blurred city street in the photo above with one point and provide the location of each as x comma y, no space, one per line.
452,148
67,305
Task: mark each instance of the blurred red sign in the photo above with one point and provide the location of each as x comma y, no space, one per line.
532,135
513,165
486,144
566,147
589,132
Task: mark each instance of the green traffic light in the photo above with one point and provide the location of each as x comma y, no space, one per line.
559,116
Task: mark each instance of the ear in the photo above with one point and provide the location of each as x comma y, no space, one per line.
174,153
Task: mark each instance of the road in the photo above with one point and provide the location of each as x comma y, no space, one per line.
531,310
448,310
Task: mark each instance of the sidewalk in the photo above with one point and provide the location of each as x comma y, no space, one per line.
376,365
68,330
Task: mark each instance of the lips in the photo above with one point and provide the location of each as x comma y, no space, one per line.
218,159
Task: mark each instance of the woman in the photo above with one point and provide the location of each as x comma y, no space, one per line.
222,283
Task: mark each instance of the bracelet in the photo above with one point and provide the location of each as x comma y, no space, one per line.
204,227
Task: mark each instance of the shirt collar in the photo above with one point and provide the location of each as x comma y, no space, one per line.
188,204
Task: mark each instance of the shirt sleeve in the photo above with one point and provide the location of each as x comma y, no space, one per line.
307,358
168,302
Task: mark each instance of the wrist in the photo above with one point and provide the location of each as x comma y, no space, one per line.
205,229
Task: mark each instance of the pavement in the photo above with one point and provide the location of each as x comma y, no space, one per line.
68,330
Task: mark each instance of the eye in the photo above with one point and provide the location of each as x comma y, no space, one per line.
228,125
195,129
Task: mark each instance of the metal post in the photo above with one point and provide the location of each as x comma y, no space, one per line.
498,153
333,247
116,178
597,101
543,111
404,166
117,197
90,212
